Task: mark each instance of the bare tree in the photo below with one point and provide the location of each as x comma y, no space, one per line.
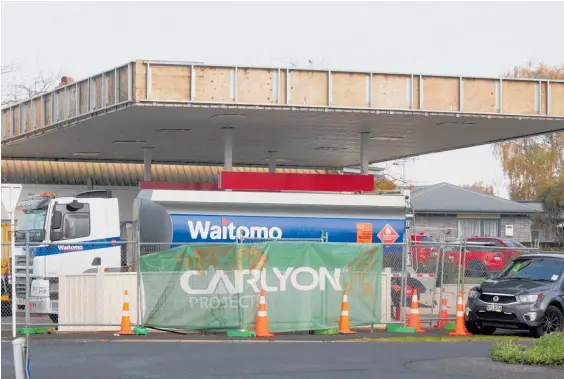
20,87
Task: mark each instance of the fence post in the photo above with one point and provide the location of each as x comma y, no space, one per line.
461,248
463,269
405,250
27,282
137,268
239,266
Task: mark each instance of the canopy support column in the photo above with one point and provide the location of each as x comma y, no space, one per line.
147,160
363,156
228,148
272,161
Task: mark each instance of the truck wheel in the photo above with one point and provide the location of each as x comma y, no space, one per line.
476,269
54,318
552,321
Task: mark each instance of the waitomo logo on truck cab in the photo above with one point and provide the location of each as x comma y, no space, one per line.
66,248
243,281
229,231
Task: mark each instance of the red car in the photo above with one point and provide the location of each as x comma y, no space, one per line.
486,254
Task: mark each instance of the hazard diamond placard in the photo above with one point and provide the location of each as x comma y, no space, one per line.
388,235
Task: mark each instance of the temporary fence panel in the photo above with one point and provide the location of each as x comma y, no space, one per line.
215,287
94,302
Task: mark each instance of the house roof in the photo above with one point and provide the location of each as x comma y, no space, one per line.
537,204
532,203
448,198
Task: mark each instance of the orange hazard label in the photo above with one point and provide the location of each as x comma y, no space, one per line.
388,235
364,233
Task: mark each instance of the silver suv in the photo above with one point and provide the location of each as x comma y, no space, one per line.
528,293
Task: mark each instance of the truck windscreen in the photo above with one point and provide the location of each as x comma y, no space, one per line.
33,222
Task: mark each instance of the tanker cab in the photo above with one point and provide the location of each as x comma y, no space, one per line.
81,231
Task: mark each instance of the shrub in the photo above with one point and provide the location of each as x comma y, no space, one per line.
547,350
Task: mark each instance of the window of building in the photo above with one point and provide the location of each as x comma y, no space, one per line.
478,228
75,224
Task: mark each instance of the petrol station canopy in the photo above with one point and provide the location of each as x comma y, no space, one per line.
303,117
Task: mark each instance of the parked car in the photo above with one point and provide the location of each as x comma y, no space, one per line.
527,294
484,254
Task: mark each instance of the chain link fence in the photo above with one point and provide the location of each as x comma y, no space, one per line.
87,294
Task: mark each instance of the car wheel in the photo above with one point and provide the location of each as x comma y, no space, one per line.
552,321
476,269
477,329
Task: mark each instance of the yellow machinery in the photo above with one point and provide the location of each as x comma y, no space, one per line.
5,248
6,274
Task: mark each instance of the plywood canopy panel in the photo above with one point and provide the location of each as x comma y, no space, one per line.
390,92
556,100
170,83
257,86
213,84
350,89
441,94
479,96
519,97
309,88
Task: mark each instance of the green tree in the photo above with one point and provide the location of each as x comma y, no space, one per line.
552,197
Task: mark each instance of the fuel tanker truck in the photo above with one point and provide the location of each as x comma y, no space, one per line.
84,230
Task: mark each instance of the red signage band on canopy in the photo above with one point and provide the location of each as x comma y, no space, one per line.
178,186
267,181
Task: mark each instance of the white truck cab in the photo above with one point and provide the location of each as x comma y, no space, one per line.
78,232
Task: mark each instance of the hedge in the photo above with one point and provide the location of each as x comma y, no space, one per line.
546,351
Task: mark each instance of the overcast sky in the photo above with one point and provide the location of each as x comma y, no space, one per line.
472,38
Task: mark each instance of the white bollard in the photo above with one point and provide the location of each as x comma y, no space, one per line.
18,346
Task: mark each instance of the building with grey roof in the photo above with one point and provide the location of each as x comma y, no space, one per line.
451,212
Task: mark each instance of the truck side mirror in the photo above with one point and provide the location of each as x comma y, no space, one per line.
56,220
56,224
489,275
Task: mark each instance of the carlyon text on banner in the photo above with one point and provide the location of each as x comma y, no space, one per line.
299,278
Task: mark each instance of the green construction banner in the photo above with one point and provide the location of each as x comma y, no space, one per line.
216,287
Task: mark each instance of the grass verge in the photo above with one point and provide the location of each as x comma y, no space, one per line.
546,351
419,338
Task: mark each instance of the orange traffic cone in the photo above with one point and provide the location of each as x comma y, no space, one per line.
443,313
344,321
414,321
460,328
125,329
261,326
